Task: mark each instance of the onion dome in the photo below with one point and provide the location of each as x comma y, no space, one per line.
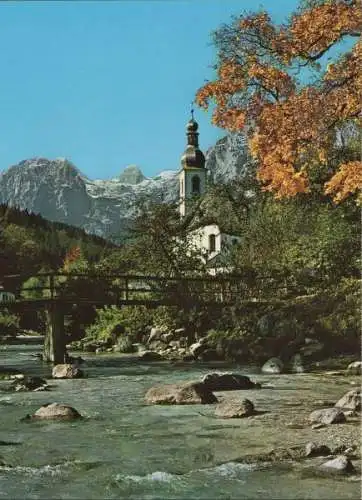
193,157
192,126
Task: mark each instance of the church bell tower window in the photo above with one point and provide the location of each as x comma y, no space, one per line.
195,184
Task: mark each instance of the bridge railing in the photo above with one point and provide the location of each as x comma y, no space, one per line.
115,288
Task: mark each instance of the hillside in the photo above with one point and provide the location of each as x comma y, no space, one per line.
29,243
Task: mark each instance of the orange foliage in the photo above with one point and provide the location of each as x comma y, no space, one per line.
291,129
346,181
72,256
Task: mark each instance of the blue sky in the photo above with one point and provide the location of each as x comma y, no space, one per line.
108,84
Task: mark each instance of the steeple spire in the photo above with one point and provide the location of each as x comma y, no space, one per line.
191,131
193,171
192,157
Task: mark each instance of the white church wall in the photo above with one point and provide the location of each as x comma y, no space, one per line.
186,192
200,240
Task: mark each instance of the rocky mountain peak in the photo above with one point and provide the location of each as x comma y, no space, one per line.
131,175
59,192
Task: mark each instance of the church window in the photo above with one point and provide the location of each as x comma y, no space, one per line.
195,184
212,243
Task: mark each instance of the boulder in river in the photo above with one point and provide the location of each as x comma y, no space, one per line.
296,364
354,368
350,401
235,409
338,465
67,370
55,411
197,348
316,450
228,382
273,366
27,383
327,416
180,394
209,355
150,356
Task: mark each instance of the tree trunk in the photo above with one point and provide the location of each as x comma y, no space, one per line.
54,342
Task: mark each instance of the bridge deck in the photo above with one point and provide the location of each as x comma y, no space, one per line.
129,290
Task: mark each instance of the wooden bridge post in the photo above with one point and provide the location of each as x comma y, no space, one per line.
54,342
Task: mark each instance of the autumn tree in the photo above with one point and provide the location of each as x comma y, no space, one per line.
294,129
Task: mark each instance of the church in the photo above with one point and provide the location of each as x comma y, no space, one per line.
194,179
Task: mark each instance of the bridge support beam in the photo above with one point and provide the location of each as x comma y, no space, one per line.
54,342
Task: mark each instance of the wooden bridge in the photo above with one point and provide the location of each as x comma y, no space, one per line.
115,289
57,293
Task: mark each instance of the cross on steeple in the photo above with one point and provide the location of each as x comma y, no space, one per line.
192,111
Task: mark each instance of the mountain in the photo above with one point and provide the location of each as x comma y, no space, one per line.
58,191
228,158
131,175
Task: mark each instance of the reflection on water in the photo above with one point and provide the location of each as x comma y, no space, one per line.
125,449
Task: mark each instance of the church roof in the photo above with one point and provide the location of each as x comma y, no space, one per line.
193,158
224,228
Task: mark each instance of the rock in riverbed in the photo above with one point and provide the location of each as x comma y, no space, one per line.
55,411
235,409
338,465
350,401
27,383
296,364
67,371
316,450
327,416
354,368
150,356
228,382
273,366
180,394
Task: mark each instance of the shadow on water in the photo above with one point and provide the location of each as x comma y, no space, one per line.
25,358
132,365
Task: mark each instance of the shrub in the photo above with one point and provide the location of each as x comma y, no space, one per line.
9,323
113,323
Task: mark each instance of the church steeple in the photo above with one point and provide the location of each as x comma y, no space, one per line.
193,172
192,157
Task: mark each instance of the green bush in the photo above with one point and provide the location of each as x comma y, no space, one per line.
331,316
9,323
167,318
112,323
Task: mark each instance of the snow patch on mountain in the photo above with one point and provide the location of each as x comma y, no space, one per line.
60,192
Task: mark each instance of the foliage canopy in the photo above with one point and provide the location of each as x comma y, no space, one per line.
293,128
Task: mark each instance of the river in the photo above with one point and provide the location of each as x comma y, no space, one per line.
125,449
